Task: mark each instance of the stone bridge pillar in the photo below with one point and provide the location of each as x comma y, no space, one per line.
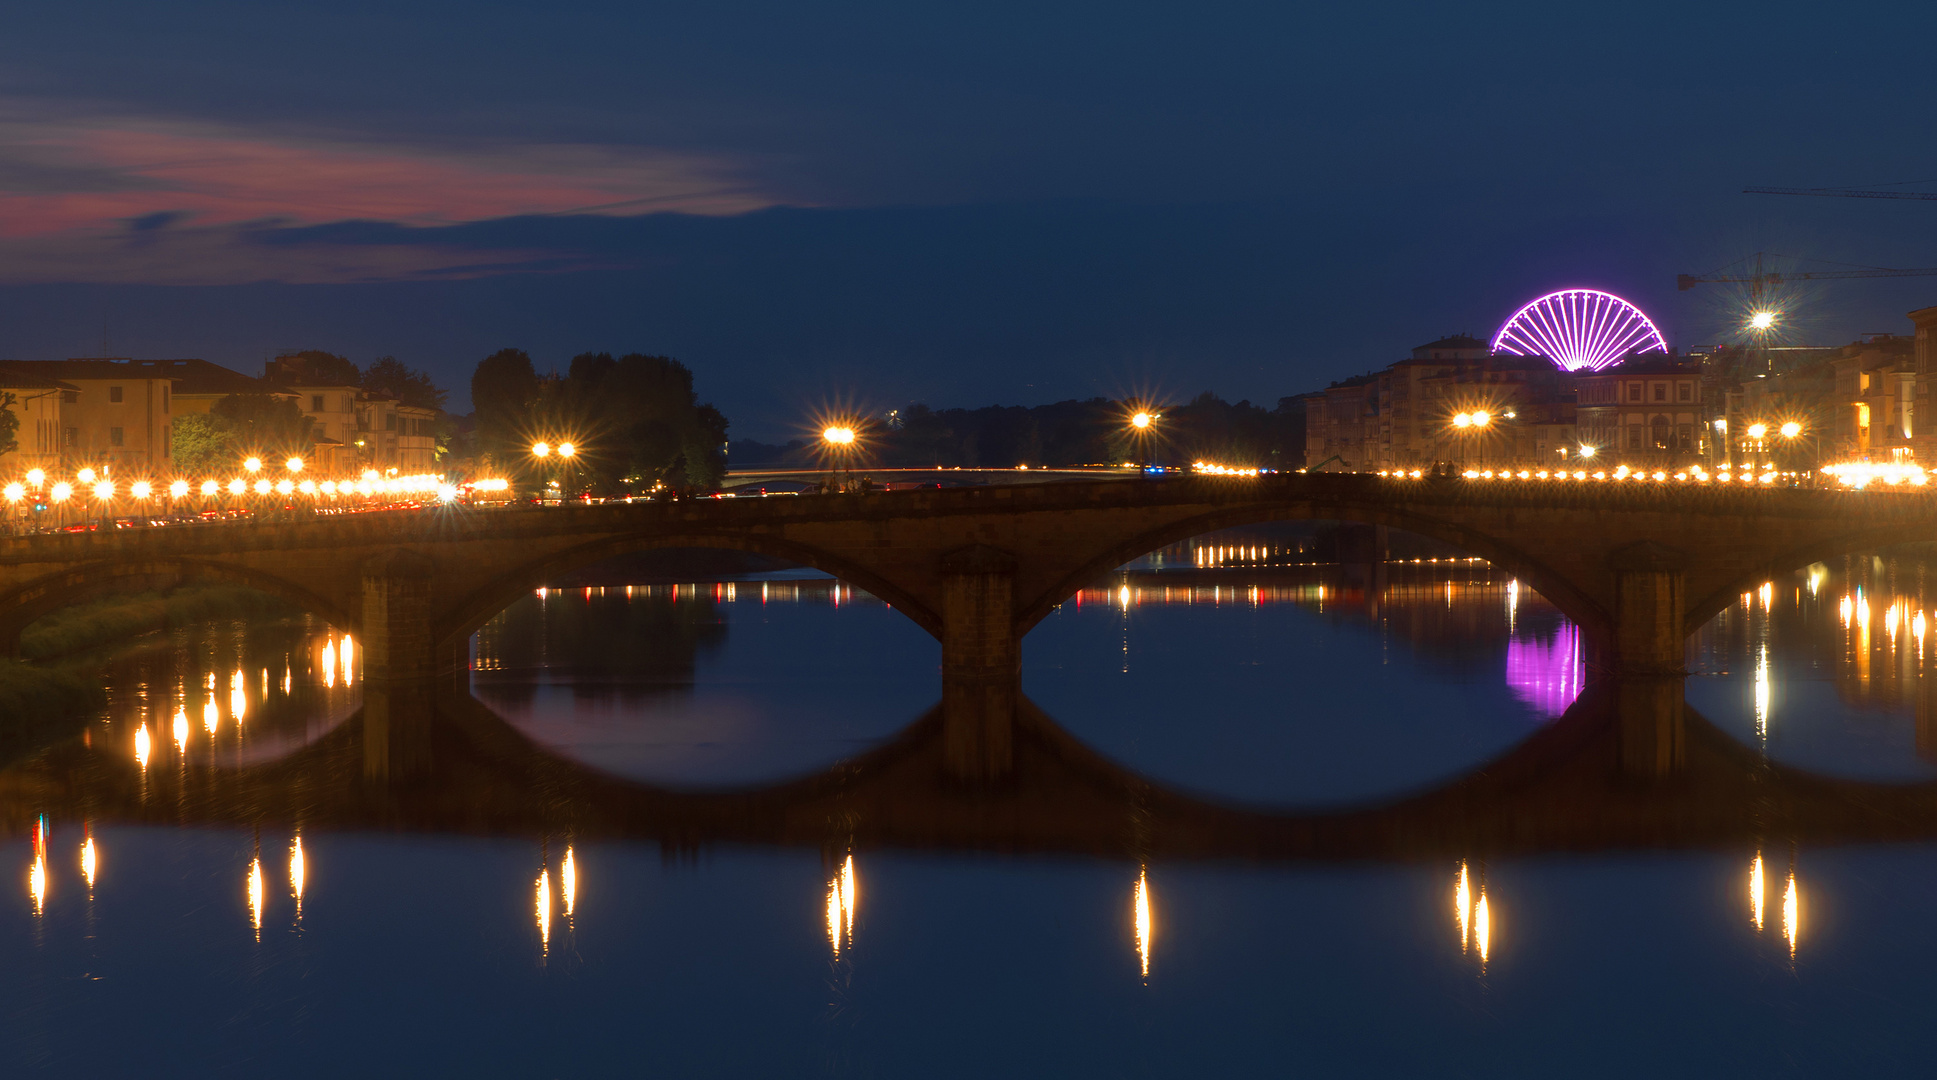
1362,552
1649,582
981,664
400,664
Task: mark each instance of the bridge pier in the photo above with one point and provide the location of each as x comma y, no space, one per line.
1649,637
1651,717
401,664
981,664
1362,552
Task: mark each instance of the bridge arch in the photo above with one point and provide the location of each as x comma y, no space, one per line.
468,615
1575,604
28,603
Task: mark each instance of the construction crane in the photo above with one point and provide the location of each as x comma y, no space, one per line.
1840,193
1762,280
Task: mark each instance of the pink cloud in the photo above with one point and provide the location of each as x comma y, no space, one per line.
67,187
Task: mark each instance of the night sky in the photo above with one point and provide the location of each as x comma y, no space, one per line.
990,203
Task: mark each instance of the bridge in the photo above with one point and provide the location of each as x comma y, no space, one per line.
1637,566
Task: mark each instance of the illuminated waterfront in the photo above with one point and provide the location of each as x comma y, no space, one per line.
1230,668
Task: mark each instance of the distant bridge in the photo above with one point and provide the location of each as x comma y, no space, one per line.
1637,566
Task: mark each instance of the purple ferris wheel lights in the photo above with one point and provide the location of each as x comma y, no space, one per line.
1579,329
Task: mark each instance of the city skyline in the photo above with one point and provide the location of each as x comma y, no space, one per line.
922,206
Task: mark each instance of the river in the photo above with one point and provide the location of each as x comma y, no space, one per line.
167,917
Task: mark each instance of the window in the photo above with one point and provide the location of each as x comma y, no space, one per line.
71,438
1684,391
315,403
114,394
389,421
69,397
1661,391
114,436
164,399
1634,391
1634,436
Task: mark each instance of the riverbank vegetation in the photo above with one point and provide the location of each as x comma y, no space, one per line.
48,695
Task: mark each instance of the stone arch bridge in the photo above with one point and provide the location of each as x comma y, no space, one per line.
1637,565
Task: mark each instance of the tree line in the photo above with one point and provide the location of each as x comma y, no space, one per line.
1096,431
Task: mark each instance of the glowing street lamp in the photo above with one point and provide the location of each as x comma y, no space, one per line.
1757,431
1762,320
1791,429
61,492
253,464
104,490
85,476
541,450
178,489
838,436
141,489
16,492
566,450
36,477
1141,420
1587,451
294,464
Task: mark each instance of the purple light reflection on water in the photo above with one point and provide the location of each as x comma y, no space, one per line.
1547,672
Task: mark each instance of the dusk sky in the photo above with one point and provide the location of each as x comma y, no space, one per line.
990,203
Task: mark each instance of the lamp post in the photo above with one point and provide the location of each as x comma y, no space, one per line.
14,493
1468,424
839,442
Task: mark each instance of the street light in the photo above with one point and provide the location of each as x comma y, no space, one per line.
253,464
1762,320
36,477
843,436
1141,420
294,464
85,476
541,450
566,449
1757,431
1791,429
1588,451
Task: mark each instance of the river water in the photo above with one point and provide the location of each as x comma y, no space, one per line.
187,900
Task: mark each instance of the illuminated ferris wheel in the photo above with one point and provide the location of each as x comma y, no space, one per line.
1579,329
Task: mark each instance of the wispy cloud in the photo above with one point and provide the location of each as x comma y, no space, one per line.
119,199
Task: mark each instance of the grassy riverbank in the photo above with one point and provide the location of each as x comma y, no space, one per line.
110,621
48,695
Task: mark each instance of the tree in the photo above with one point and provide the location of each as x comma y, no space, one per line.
203,444
389,377
314,367
264,423
640,422
504,391
9,424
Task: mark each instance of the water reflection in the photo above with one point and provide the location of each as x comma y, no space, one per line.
298,872
1140,918
840,907
1828,668
1474,914
1757,890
